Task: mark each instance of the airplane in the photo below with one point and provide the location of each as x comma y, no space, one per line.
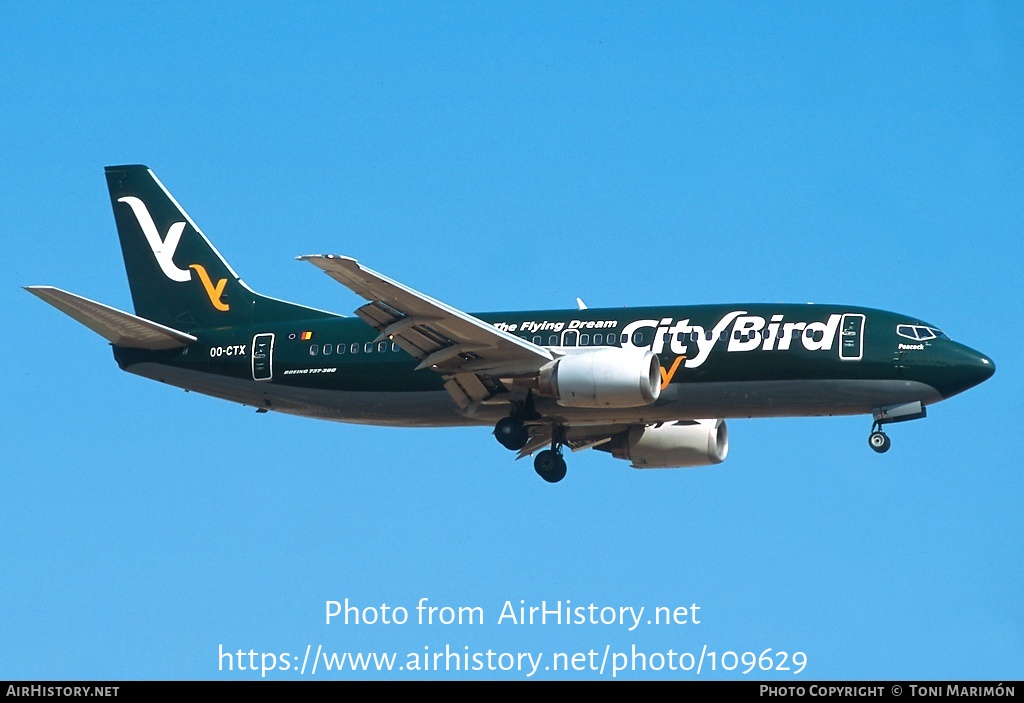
649,385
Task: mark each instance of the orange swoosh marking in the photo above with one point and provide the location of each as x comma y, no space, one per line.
212,291
666,376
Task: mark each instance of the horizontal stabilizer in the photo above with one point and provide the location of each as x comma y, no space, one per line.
121,328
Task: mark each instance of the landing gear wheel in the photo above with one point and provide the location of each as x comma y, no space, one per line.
511,433
879,441
550,466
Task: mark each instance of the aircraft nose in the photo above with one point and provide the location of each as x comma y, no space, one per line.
970,368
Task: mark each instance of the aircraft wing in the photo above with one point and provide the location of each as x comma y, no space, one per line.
468,351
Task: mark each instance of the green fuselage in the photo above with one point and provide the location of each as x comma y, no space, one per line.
717,361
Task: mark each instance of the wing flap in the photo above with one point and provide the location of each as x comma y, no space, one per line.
466,389
120,328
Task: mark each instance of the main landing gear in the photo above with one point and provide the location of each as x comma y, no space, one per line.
511,433
549,464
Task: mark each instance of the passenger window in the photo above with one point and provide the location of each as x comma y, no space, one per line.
553,340
368,347
354,348
394,346
341,348
584,340
327,350
538,340
313,349
598,338
382,347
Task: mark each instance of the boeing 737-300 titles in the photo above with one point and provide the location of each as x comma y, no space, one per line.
649,385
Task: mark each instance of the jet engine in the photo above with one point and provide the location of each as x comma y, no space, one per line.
671,446
609,377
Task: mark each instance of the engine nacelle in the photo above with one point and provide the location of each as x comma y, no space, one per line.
672,446
608,377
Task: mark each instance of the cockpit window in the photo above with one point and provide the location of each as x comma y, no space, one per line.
919,333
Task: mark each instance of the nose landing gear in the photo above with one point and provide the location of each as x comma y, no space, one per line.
878,440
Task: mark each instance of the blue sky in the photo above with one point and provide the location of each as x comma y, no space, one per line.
514,157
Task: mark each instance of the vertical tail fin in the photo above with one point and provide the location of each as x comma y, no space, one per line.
177,278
